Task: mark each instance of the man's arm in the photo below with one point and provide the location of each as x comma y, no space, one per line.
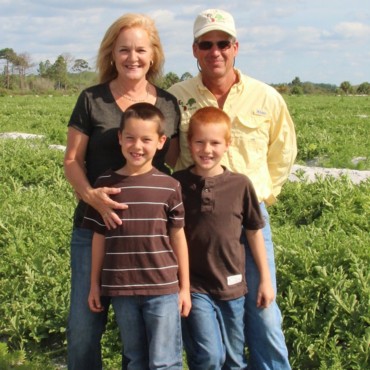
256,243
282,149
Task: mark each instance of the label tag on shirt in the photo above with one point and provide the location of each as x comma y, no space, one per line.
260,112
235,279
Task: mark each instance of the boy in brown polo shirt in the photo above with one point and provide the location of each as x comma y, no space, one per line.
217,204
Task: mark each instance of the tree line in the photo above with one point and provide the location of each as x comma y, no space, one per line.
296,87
49,76
70,74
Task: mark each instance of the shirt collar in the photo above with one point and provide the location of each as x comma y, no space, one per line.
202,88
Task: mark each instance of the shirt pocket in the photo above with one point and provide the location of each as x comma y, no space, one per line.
250,139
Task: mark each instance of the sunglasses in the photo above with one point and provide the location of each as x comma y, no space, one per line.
207,45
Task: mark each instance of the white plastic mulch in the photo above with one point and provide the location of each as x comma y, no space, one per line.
307,172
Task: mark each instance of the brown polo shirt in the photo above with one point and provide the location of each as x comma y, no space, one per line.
216,208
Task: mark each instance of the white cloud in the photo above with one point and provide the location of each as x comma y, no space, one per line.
278,40
354,30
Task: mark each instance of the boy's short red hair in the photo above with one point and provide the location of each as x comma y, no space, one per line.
208,115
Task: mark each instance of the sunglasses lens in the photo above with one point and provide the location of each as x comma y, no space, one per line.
207,45
222,45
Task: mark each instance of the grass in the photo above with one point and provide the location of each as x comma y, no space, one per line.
320,233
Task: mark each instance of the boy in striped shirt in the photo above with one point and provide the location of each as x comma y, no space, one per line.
142,265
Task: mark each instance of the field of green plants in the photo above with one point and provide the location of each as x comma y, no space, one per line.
320,230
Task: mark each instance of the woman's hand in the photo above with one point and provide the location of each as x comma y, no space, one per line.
100,199
75,171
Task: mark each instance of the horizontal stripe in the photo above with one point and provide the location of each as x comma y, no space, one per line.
147,187
144,268
136,236
144,219
139,285
157,203
157,252
160,175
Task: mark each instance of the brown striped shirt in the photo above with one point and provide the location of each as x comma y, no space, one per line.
139,259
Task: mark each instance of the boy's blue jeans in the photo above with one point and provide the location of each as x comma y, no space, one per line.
150,330
264,333
214,333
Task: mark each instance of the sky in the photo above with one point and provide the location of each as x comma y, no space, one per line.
320,41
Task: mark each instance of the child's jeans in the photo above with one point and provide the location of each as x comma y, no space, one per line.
214,333
150,330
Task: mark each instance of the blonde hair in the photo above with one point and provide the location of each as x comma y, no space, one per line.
208,115
105,65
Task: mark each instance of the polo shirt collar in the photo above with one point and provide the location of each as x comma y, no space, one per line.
238,86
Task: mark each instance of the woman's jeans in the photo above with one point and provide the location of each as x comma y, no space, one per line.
214,334
150,329
85,328
264,333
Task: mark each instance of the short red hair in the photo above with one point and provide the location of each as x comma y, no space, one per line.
208,115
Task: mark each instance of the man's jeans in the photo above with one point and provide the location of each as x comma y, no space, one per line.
214,334
150,330
85,328
264,334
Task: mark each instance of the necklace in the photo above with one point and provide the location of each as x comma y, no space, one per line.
136,100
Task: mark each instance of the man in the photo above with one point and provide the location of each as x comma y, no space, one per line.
263,147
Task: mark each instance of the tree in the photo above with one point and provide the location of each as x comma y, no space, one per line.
69,60
186,76
296,82
169,79
364,88
10,56
296,90
21,63
58,73
44,68
346,87
80,65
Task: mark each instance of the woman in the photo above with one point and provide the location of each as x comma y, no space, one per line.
129,59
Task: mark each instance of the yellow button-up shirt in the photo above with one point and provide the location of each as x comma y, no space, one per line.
263,145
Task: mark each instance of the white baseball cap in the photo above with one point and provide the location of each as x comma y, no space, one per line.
214,20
